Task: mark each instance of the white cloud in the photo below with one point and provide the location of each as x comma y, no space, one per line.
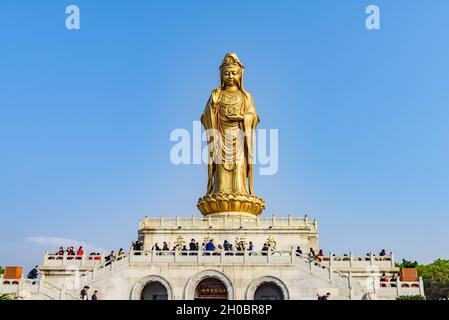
56,242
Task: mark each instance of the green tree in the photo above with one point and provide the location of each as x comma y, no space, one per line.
436,279
407,264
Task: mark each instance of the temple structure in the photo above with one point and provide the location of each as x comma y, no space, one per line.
244,256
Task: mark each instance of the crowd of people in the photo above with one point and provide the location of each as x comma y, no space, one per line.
210,248
78,254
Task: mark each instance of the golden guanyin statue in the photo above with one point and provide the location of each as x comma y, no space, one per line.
230,120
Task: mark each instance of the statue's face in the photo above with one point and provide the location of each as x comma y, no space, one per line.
231,76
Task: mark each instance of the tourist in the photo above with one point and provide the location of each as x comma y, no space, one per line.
156,247
383,278
121,254
33,273
165,247
184,248
325,297
83,294
60,251
265,249
226,246
298,251
311,255
94,296
192,245
80,251
138,245
393,281
319,255
210,245
250,246
382,253
110,258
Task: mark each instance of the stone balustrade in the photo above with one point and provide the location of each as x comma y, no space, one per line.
55,260
397,288
214,257
13,286
351,261
230,221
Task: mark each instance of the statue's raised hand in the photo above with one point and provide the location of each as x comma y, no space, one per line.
215,95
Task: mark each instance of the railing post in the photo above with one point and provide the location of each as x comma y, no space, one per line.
176,255
102,257
39,286
257,221
245,255
374,284
160,220
131,253
269,255
392,259
289,219
45,257
221,255
371,258
292,255
398,286
273,220
350,284
350,259
177,220
421,287
330,259
94,271
200,253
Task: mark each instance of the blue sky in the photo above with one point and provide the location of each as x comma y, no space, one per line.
86,115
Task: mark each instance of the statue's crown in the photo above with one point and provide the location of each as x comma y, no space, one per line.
231,60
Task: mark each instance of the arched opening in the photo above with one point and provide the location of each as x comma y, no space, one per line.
154,291
268,291
211,288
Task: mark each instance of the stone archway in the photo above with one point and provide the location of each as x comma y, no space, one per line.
192,284
267,288
152,287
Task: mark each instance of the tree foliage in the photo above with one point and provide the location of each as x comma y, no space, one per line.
435,277
407,264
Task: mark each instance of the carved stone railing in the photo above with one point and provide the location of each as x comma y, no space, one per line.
214,257
230,221
351,261
87,261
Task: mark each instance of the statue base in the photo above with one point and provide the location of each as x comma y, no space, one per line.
220,204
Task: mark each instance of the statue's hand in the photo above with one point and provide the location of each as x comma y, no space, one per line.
215,95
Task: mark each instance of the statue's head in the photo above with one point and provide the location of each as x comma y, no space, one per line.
231,71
